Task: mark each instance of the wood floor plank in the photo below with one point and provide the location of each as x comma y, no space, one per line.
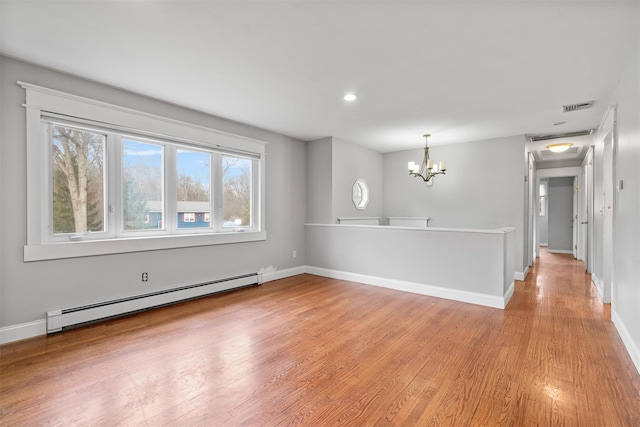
315,351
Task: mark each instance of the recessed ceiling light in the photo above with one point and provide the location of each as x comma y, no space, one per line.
350,97
559,148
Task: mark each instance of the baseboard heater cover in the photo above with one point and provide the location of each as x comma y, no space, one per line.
60,319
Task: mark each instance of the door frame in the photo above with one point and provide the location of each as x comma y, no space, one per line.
565,172
607,136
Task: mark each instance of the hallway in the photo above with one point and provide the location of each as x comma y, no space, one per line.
573,352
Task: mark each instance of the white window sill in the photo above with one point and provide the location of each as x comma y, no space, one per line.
138,244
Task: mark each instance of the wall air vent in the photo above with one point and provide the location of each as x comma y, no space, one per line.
534,138
578,106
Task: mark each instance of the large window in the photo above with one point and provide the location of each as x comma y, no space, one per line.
104,182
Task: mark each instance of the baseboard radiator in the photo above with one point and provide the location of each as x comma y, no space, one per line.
61,319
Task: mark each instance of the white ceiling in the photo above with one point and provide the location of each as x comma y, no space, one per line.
459,70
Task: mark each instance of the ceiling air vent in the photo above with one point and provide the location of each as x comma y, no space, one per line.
578,106
534,138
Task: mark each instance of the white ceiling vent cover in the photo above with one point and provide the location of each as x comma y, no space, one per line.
578,106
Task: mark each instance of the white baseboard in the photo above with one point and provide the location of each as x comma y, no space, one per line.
23,331
39,327
521,275
627,340
416,288
282,274
559,251
598,284
508,294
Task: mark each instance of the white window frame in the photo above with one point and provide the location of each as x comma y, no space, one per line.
43,102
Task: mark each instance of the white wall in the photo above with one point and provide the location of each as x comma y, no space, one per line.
483,187
626,250
29,290
560,214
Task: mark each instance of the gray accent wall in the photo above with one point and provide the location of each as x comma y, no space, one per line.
334,166
350,162
320,181
29,290
560,214
483,187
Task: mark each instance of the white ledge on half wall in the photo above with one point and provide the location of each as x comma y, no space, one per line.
408,221
362,220
501,230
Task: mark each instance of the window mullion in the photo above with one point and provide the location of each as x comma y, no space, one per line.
113,183
170,192
47,183
216,189
256,195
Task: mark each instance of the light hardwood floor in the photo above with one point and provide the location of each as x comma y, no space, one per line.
314,351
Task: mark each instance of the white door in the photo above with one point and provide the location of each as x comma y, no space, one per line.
575,217
607,220
586,225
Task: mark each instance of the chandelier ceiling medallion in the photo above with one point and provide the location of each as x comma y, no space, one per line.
428,169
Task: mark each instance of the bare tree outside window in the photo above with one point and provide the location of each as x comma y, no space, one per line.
236,191
78,180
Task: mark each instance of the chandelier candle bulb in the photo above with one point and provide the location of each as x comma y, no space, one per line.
443,165
430,164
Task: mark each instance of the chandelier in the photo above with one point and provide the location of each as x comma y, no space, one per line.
428,169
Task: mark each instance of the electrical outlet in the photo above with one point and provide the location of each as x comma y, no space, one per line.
145,277
295,254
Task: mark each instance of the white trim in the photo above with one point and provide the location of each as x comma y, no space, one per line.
269,276
627,340
371,221
560,172
502,230
521,275
58,319
23,331
416,288
136,244
598,284
509,293
40,100
54,101
39,327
